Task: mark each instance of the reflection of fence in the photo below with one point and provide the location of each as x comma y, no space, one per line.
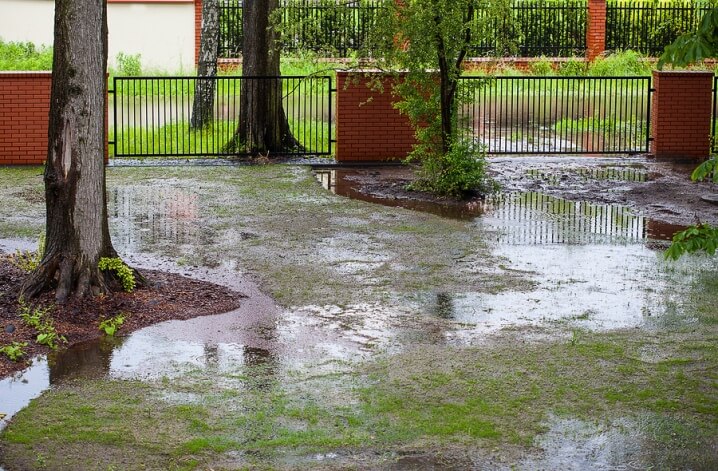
648,26
151,116
525,115
548,220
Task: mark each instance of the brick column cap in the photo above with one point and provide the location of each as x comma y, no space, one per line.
26,73
682,73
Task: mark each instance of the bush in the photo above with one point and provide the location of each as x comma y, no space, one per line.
24,56
458,173
129,65
626,63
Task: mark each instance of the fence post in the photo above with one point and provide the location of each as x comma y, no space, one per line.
681,115
197,29
596,29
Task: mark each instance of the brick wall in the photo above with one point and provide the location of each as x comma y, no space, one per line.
681,115
369,128
596,29
197,29
24,111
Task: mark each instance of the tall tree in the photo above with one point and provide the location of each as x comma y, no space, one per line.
203,106
77,233
263,125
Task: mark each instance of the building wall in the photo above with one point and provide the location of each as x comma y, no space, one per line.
162,31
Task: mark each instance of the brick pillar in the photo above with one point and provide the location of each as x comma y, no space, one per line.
369,128
681,115
197,29
595,29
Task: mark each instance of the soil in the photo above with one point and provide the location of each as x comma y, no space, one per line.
166,296
663,190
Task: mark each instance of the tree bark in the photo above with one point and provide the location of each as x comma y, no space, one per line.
77,233
203,107
263,125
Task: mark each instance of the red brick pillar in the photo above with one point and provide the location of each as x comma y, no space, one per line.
197,29
369,128
681,115
24,117
595,29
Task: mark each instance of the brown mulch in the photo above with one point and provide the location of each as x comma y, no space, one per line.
167,296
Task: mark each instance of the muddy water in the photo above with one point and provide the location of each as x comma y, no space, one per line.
594,266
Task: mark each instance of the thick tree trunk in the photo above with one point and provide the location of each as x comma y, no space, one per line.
77,234
263,125
203,107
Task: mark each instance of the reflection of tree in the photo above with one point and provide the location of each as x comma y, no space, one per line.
263,366
86,360
444,306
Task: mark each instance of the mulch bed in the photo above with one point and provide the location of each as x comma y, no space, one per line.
167,296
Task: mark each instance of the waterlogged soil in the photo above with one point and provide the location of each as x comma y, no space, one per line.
166,296
658,190
536,331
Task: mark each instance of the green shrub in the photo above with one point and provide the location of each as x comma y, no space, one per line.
24,56
456,173
28,261
121,271
542,67
573,68
38,318
128,65
111,326
14,351
625,63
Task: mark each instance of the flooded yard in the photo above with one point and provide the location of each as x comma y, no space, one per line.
531,330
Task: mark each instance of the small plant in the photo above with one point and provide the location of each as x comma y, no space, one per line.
111,326
28,261
14,351
121,270
38,319
129,65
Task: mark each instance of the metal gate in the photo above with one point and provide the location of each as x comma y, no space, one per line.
556,115
152,116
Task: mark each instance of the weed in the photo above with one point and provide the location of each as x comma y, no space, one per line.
38,319
14,351
121,270
129,65
111,326
28,261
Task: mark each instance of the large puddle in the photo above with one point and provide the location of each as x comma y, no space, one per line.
595,268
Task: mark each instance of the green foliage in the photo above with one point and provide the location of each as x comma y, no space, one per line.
128,65
702,237
706,170
624,63
421,37
456,173
111,326
24,56
121,271
28,261
542,67
39,319
696,46
14,351
573,68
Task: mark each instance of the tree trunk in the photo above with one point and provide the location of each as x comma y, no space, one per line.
77,233
203,107
263,125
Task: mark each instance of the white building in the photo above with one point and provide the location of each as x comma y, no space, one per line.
161,31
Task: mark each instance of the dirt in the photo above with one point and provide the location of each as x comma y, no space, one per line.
167,296
658,190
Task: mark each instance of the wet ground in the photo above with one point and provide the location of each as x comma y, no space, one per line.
535,329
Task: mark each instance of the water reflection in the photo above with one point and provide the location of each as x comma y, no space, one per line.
148,215
530,217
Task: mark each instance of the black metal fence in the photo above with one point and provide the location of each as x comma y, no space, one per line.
648,26
539,115
331,27
533,28
152,116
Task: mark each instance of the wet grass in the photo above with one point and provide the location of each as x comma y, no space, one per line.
496,399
